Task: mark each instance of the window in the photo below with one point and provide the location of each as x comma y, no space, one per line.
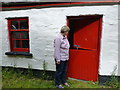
18,34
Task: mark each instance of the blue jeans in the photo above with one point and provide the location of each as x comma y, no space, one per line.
60,74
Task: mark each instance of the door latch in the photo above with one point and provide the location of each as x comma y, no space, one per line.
77,46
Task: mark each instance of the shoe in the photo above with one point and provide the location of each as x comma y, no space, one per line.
66,84
59,86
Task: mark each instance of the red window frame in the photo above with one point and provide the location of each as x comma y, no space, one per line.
11,38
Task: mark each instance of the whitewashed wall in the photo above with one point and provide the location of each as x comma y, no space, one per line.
119,40
0,52
0,40
46,23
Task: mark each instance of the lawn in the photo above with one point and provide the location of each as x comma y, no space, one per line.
12,79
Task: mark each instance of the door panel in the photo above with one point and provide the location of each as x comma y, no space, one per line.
82,65
83,62
86,36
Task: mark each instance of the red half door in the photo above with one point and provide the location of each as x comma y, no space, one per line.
84,39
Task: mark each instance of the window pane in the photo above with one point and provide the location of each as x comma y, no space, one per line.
14,24
25,35
24,24
16,35
25,44
16,43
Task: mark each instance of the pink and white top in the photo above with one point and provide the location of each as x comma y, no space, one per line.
61,46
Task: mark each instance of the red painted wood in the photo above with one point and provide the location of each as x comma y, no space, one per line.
85,35
84,64
10,41
19,29
21,49
99,39
11,37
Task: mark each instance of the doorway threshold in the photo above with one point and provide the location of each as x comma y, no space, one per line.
77,79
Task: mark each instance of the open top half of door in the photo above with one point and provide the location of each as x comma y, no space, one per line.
84,32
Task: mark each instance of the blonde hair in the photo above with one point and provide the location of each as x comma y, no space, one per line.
65,29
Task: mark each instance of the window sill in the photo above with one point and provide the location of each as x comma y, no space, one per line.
19,53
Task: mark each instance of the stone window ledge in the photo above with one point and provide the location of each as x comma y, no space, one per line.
19,53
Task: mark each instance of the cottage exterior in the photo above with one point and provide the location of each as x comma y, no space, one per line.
40,26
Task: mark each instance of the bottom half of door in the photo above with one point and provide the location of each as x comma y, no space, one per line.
83,65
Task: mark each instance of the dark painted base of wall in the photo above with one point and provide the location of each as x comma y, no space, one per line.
103,79
49,75
39,73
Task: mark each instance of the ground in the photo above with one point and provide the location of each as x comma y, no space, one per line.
12,79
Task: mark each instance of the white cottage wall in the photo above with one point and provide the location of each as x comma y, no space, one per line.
46,23
0,40
0,51
119,40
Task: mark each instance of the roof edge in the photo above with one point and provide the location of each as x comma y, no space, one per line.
29,5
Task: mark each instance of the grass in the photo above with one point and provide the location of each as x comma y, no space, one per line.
12,79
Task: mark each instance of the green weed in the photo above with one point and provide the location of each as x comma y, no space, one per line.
113,82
